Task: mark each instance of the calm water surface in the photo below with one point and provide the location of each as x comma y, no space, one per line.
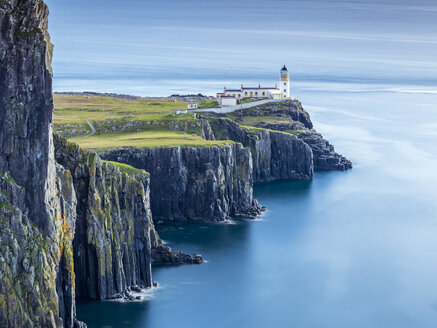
349,249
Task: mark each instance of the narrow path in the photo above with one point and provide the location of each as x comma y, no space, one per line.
93,130
223,110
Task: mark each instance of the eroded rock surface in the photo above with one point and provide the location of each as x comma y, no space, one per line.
196,183
37,214
112,244
115,239
275,155
296,121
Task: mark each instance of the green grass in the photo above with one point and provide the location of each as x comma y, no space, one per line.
293,132
74,109
210,103
127,168
122,123
146,139
9,178
7,206
145,122
247,100
254,120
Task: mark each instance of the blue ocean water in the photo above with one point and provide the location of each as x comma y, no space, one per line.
156,48
349,249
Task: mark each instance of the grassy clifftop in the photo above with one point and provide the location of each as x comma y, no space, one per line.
143,122
105,122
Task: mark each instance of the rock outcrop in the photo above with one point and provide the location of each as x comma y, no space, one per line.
112,243
298,123
74,226
325,156
37,287
196,183
164,255
37,202
275,155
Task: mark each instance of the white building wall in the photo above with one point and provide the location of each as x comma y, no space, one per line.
235,94
228,102
256,93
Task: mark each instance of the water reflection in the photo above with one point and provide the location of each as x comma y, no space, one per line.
112,314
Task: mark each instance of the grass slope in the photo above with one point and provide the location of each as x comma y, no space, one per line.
124,123
146,139
130,170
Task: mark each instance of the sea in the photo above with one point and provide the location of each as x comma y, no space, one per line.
354,249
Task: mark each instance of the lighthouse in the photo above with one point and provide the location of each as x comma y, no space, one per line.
284,83
232,97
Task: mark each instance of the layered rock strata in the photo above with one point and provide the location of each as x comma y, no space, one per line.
37,214
299,124
80,226
112,243
275,155
196,183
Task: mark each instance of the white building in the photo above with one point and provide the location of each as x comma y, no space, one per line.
233,97
227,101
192,106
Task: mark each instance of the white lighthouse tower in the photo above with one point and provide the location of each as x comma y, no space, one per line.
284,83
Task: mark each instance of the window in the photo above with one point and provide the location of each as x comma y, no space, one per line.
285,91
239,96
285,83
256,93
264,93
245,93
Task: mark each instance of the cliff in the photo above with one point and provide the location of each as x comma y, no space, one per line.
37,212
275,155
293,120
215,183
112,243
115,241
74,226
325,156
195,183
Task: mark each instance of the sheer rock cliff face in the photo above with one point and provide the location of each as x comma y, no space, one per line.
80,224
114,230
275,155
215,183
324,155
196,183
26,104
37,206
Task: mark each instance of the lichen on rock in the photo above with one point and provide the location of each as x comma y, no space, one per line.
196,183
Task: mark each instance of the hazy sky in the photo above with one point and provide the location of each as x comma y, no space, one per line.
351,41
